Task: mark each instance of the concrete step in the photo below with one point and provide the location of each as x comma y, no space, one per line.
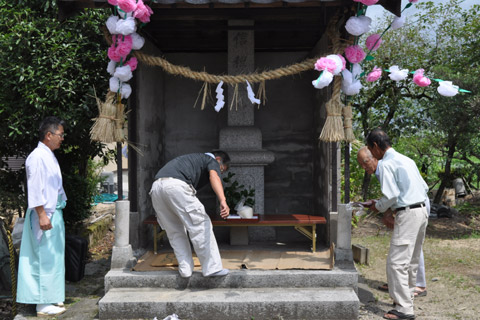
230,303
118,278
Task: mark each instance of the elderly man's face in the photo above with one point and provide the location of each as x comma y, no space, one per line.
369,164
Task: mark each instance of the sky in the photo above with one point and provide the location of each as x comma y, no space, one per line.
377,11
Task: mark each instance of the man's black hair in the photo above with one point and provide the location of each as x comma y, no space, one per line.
223,155
379,137
49,124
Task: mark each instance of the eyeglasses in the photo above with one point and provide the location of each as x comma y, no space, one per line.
61,135
223,168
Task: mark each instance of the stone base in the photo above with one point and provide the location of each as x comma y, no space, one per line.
343,254
122,257
238,236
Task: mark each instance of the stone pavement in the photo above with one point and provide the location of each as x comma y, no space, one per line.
81,297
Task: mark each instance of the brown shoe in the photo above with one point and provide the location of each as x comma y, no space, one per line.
383,287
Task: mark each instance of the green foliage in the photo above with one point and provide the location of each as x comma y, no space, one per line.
234,192
80,192
51,67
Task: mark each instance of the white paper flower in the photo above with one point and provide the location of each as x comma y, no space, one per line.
114,84
447,89
123,73
220,98
398,22
351,84
112,24
126,26
126,90
357,26
111,67
251,95
397,74
137,41
338,62
323,80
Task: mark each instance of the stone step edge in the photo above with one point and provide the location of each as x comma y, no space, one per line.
121,278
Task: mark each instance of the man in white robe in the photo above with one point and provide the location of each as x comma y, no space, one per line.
41,271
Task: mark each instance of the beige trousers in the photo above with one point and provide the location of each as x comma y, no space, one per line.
403,257
179,211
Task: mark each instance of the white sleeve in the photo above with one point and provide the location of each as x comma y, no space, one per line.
35,179
389,189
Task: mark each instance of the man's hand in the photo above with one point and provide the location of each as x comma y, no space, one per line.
43,220
370,204
388,219
224,209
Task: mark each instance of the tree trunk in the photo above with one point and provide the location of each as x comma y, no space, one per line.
448,166
366,185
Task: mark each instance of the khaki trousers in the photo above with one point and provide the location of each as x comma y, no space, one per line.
179,211
403,257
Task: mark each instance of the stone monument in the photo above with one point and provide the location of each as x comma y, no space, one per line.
241,140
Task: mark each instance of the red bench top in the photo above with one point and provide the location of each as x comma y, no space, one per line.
269,219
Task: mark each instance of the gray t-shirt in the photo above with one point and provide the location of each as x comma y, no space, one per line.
191,168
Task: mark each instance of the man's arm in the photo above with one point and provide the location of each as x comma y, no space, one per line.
217,187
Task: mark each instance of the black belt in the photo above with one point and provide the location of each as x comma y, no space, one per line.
411,207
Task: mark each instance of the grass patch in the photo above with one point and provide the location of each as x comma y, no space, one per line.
474,235
467,208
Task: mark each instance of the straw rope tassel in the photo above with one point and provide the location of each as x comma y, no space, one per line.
262,93
103,129
333,128
347,123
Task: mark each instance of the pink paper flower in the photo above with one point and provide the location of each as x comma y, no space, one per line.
124,45
325,64
374,75
355,54
113,2
133,62
373,42
420,80
143,12
413,1
367,2
127,5
112,53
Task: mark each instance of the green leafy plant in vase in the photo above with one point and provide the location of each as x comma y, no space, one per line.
238,197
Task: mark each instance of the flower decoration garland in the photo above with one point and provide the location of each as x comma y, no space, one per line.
123,26
355,54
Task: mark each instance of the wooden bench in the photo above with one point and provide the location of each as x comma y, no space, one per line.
301,223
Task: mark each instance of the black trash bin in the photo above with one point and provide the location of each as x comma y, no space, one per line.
76,249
